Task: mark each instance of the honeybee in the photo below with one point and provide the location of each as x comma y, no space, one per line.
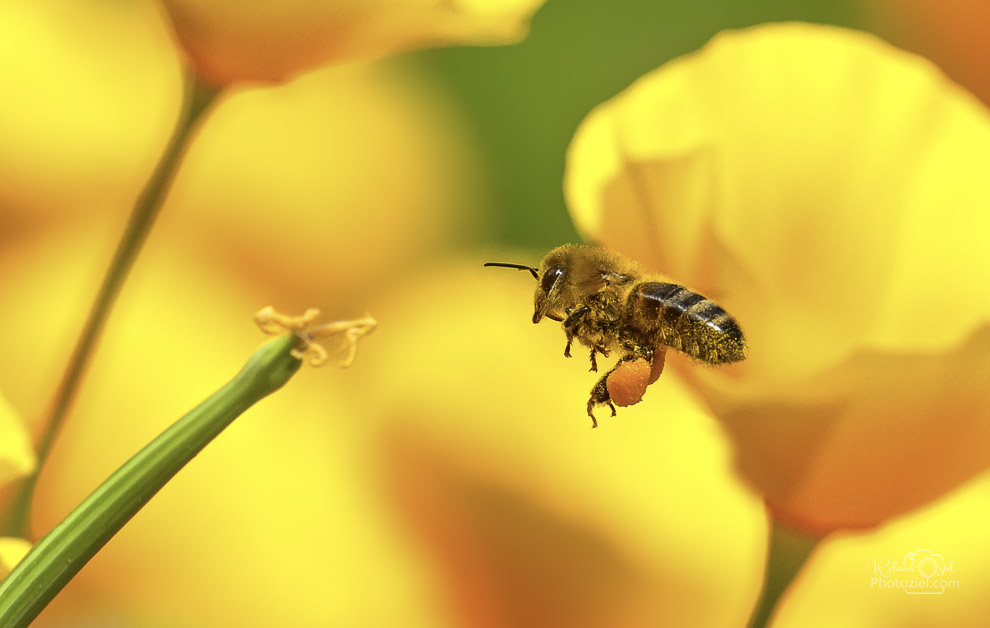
606,303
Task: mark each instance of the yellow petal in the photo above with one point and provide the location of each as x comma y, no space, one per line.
811,166
12,550
828,190
17,453
91,92
271,41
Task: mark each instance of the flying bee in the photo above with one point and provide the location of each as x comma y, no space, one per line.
607,303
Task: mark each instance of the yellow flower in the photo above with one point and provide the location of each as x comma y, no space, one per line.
270,41
829,191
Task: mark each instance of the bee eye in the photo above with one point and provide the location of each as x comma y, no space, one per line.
550,278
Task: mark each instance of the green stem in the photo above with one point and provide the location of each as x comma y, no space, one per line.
787,553
60,554
198,98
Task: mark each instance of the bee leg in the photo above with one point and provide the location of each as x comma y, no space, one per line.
573,320
594,363
599,396
591,413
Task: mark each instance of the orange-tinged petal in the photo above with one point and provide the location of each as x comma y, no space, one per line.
271,41
953,33
826,189
324,186
273,515
852,579
877,436
90,95
532,517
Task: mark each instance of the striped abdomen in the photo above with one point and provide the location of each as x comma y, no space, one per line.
686,321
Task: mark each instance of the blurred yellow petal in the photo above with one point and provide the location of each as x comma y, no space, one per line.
276,513
16,450
322,187
12,550
828,190
91,92
852,579
532,517
271,41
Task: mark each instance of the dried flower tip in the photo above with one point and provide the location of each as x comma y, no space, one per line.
272,322
353,330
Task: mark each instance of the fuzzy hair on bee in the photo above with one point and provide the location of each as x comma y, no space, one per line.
606,303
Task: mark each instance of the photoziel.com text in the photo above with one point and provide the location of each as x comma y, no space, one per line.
921,572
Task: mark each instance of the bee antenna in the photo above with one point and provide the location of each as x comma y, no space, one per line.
516,266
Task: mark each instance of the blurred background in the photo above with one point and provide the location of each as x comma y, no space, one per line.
443,480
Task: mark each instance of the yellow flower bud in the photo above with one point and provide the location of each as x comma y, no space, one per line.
271,41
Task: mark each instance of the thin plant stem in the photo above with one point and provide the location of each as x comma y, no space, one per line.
61,553
198,97
787,552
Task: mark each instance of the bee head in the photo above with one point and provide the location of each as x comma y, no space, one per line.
557,290
564,275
